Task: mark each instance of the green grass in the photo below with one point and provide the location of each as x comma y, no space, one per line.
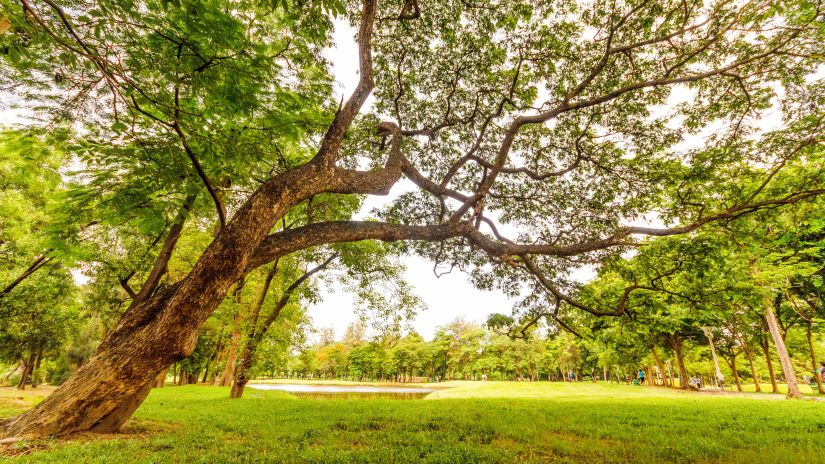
550,423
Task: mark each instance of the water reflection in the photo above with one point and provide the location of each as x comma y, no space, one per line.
348,391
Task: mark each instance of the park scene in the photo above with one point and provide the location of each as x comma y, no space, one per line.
412,231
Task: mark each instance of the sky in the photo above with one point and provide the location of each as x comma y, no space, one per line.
447,297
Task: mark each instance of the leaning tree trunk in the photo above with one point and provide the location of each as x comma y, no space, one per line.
244,367
163,329
784,357
256,334
253,338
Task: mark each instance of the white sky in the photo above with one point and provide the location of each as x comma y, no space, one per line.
446,298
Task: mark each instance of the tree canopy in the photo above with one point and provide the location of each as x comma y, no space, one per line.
200,141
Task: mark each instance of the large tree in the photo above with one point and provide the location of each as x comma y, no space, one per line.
557,120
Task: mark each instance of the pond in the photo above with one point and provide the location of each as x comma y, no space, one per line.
348,391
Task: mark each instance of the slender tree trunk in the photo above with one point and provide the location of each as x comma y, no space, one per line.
205,373
251,346
34,375
28,365
732,363
256,334
766,351
676,343
754,374
659,365
160,381
234,341
38,263
784,357
244,367
814,365
20,366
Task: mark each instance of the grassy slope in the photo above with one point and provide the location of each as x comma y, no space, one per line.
557,423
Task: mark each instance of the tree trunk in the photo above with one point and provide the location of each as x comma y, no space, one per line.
256,334
38,263
234,341
244,366
20,366
766,350
784,357
160,381
749,354
676,343
115,419
659,366
164,329
28,365
736,378
817,377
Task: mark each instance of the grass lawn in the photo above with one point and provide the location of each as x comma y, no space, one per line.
470,423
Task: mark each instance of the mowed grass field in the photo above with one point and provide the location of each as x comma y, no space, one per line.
472,422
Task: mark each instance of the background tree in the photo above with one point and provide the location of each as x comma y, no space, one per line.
515,114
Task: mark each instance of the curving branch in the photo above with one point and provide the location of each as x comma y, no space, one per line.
331,144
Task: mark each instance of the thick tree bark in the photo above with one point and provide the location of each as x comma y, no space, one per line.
114,420
163,329
784,357
676,343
